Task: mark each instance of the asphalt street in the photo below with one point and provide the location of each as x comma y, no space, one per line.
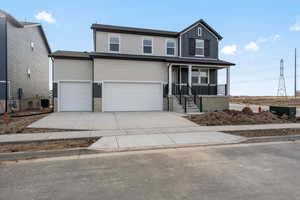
248,171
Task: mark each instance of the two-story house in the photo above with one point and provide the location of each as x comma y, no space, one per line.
24,64
136,69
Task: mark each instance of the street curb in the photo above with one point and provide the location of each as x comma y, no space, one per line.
85,151
272,139
50,140
44,154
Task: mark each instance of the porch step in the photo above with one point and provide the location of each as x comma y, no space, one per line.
190,105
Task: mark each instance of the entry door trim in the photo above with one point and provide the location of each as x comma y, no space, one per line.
59,82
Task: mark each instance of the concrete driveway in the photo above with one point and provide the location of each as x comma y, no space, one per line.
112,120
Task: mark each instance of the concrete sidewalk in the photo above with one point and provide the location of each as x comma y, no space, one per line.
151,141
150,131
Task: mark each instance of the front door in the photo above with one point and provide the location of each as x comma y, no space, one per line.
184,80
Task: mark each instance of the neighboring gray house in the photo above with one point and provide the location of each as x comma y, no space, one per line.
135,69
24,64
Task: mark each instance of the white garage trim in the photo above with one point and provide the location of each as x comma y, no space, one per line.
130,81
59,82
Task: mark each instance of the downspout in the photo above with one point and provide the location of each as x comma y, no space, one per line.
93,109
53,83
6,70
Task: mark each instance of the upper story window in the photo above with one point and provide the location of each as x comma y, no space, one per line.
199,47
170,47
200,76
114,43
199,31
147,45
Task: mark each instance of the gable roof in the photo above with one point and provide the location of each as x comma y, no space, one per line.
155,32
201,21
22,24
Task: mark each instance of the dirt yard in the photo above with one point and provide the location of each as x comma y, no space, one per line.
18,122
47,145
267,100
265,133
233,117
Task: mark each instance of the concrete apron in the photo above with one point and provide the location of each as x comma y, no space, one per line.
157,141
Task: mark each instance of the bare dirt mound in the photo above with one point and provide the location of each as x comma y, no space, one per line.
233,117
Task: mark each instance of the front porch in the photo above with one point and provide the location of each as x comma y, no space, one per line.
195,88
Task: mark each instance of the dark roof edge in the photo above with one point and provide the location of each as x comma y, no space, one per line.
45,38
133,30
91,55
11,19
18,24
70,55
155,32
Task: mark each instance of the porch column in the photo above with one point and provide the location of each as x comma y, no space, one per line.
227,81
190,79
170,79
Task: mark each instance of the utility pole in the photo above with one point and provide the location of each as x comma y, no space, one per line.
295,72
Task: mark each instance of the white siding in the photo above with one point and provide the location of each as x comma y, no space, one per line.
132,44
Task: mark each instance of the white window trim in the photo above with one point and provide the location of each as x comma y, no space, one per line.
199,77
108,46
199,48
152,49
199,30
166,47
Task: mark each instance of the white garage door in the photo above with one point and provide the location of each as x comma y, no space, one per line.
132,96
75,96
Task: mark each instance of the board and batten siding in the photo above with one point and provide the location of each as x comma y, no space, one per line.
129,70
133,44
210,43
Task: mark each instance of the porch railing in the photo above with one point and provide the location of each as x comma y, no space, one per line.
184,96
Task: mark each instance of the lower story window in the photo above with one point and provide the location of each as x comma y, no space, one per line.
200,76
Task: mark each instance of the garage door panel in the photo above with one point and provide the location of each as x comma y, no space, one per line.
75,96
132,97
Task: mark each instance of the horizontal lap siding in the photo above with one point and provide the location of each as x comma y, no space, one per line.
132,43
128,70
68,69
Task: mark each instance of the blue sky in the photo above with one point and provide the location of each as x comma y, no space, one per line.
257,34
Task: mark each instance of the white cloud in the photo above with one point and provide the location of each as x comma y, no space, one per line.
45,16
229,50
252,46
268,39
295,27
255,45
276,37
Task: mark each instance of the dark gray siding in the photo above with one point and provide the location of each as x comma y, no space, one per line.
54,89
213,76
97,90
3,58
211,42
